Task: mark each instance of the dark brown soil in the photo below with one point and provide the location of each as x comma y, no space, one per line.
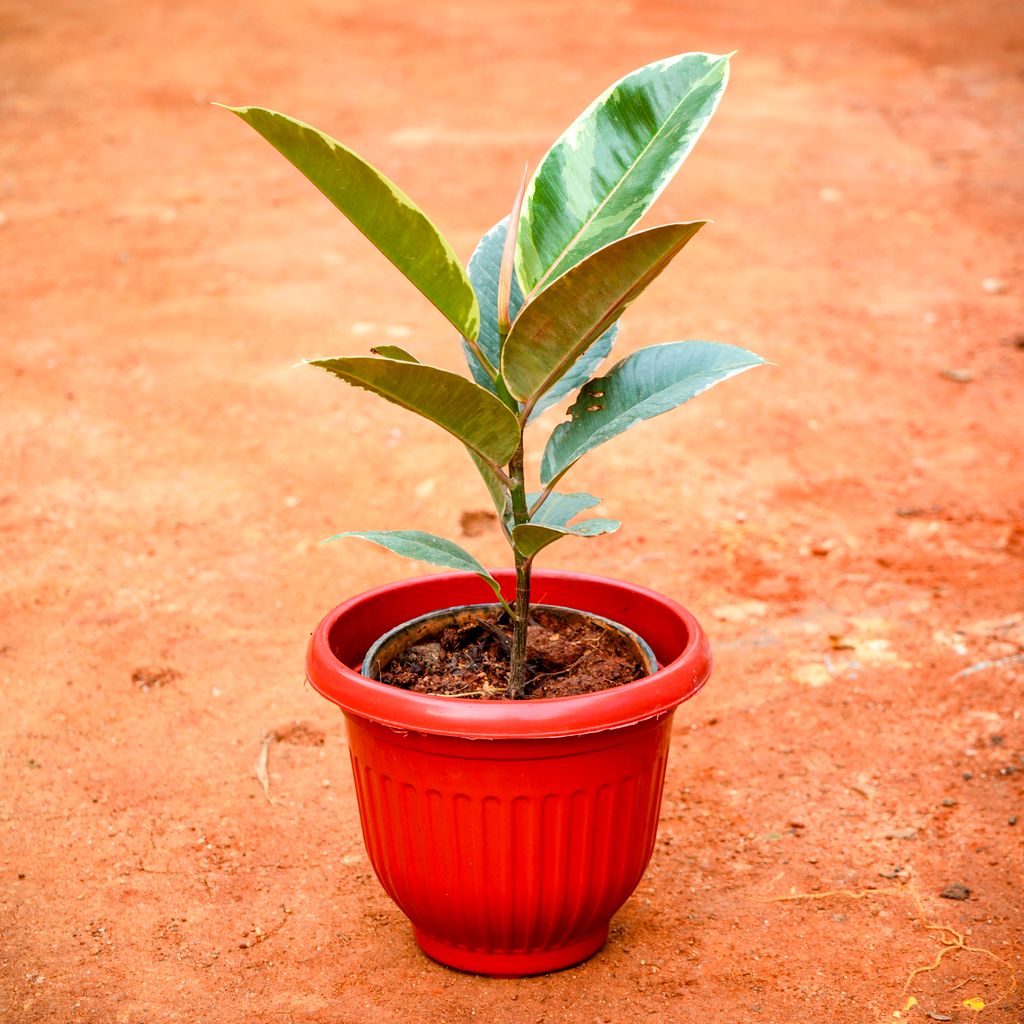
564,657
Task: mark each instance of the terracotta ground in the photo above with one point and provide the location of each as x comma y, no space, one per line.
849,523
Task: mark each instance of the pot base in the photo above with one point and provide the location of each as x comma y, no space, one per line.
511,965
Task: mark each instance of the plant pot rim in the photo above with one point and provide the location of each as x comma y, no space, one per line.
659,693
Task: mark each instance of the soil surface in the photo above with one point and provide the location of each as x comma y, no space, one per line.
844,805
565,656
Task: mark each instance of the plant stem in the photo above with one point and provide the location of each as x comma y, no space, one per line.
520,514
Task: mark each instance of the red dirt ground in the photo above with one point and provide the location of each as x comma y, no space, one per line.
849,523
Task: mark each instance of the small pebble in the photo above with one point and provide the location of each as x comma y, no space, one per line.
958,376
967,776
949,802
1009,821
993,286
956,891
902,833
997,739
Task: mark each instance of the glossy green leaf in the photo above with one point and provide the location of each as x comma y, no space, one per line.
484,268
530,538
613,161
473,415
563,321
378,208
645,384
551,521
425,547
494,486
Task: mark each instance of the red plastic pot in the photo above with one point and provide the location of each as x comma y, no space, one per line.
509,833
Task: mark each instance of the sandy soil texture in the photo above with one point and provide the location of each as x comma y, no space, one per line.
849,523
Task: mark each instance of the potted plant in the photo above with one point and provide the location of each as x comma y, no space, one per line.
510,827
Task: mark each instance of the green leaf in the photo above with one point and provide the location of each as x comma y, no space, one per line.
478,419
425,547
378,208
393,352
490,478
495,488
613,161
563,321
550,522
484,268
530,538
558,508
645,384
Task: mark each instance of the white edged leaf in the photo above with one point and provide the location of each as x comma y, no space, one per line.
529,538
646,384
559,508
613,161
378,208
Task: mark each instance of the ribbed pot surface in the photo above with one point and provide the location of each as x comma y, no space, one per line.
509,833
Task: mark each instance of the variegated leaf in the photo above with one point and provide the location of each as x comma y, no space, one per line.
613,161
478,419
378,208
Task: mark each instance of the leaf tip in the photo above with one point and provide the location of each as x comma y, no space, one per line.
239,111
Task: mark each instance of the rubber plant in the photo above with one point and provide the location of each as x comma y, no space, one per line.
537,307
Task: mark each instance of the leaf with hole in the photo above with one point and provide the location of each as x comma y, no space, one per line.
378,208
645,384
